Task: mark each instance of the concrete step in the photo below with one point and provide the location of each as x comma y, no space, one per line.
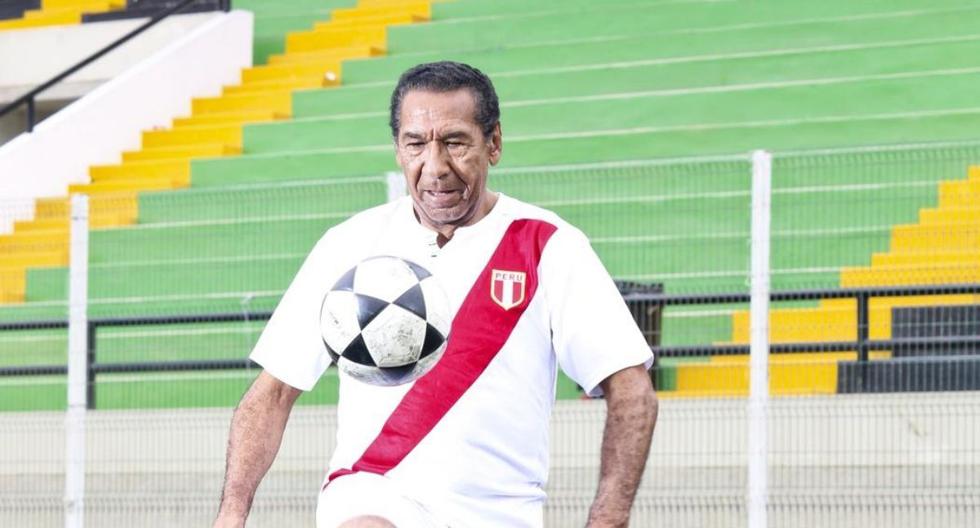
179,170
279,102
229,135
328,70
912,274
338,54
197,150
373,36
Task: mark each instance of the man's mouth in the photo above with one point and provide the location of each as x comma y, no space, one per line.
442,198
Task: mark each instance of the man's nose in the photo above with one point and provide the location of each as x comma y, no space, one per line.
435,164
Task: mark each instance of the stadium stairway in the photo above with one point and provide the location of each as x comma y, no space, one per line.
312,60
60,12
943,247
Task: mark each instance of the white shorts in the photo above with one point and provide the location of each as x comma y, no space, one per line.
370,494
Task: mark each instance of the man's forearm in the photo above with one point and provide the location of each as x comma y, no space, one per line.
256,433
631,416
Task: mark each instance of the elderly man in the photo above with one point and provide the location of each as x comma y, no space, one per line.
480,457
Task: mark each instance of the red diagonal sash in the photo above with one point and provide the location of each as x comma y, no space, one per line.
479,331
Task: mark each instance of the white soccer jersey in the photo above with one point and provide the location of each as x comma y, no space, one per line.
485,460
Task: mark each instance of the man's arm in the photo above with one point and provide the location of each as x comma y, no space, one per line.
256,433
631,414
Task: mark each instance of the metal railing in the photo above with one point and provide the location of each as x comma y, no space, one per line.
29,98
862,345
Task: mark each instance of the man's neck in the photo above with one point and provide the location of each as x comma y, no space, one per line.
445,232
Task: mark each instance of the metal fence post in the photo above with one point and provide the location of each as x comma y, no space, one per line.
861,371
395,183
78,368
758,405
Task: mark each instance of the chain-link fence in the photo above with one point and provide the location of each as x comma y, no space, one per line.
874,275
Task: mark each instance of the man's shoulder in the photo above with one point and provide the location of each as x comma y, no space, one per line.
377,217
518,209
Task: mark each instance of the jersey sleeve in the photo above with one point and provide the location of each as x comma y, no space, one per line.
593,333
290,347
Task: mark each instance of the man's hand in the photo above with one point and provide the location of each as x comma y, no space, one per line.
631,414
256,433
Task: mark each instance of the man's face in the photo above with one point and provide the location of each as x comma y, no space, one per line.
445,157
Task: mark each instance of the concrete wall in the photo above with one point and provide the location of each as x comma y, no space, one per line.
854,461
30,57
97,128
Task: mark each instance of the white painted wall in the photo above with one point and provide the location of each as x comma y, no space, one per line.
29,57
97,128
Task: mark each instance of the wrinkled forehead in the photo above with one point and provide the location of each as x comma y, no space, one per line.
424,111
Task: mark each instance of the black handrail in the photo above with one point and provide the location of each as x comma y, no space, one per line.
30,96
862,344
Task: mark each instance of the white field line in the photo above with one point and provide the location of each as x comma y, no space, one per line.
788,233
247,297
741,55
244,329
602,7
846,188
244,298
694,127
694,160
909,13
32,381
280,186
746,124
14,338
107,378
735,273
850,187
235,221
628,164
717,29
746,87
188,375
674,92
200,260
719,195
688,314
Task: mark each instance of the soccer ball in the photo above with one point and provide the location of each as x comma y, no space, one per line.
386,321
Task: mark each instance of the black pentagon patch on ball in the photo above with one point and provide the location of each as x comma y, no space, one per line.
412,300
397,375
433,340
357,352
419,271
346,283
368,308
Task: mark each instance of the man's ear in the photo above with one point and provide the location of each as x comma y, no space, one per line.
398,158
496,144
